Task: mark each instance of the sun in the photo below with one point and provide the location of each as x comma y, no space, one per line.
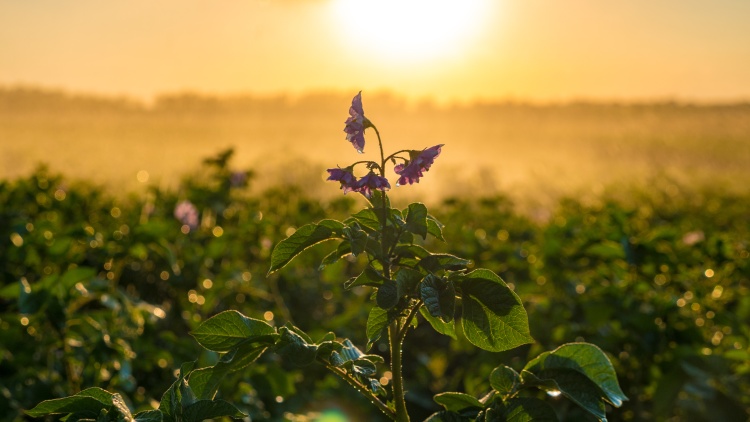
410,29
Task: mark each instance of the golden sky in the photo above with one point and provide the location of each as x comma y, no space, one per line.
448,50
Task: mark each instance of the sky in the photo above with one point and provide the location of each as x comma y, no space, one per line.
539,50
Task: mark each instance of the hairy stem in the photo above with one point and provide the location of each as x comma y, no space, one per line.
364,390
407,321
397,376
394,330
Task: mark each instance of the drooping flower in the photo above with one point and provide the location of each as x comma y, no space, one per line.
372,181
345,176
238,179
187,214
420,162
356,124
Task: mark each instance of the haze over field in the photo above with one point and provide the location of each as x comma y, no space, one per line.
540,96
533,150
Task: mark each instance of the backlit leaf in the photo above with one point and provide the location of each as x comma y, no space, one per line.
493,316
228,329
456,402
587,359
505,380
305,237
416,219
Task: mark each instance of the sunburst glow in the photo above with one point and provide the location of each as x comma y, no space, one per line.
411,29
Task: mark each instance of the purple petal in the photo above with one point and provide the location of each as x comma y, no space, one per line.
186,213
411,171
372,181
345,176
356,108
354,126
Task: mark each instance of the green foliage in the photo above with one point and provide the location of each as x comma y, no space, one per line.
91,296
583,359
229,329
493,316
306,236
579,371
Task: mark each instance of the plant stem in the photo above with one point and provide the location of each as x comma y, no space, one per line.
407,321
397,377
394,330
361,388
382,155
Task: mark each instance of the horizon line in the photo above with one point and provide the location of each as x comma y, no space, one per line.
292,96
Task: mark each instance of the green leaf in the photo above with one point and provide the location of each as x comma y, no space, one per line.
364,367
327,348
368,277
430,294
446,416
376,200
572,384
228,329
586,359
343,249
90,401
368,218
171,403
494,318
435,228
374,359
377,321
527,409
505,380
456,402
357,238
73,276
416,219
437,262
407,280
448,301
376,387
607,250
29,301
410,255
121,407
149,416
12,290
210,409
445,328
350,351
305,237
411,251
439,297
205,381
387,296
294,348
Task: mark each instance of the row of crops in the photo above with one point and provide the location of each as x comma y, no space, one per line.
101,288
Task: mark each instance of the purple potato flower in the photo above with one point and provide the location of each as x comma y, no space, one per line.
372,181
356,124
420,161
345,176
238,179
187,214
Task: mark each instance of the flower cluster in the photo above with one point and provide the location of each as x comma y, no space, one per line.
409,171
365,185
187,214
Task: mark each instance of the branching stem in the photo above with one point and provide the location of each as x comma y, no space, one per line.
407,321
394,329
363,389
